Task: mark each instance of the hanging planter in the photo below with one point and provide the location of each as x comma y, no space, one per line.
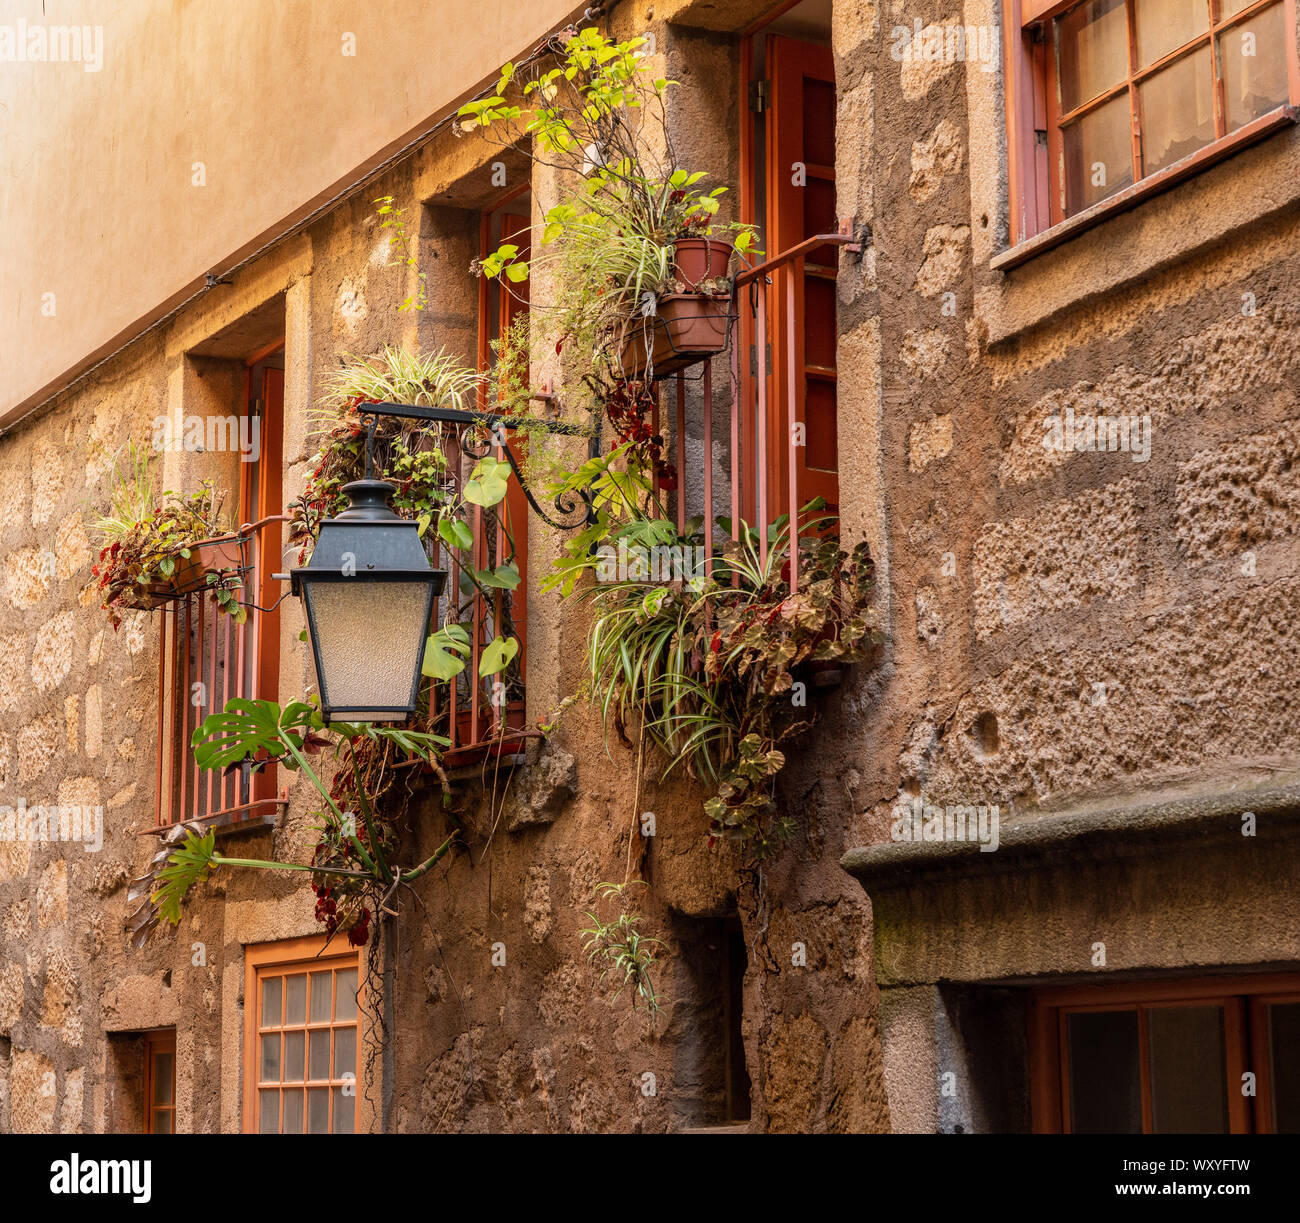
222,556
685,329
158,548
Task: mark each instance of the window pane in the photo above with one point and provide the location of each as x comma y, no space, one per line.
269,1121
1228,7
1253,59
1105,1094
1098,155
1284,1046
320,996
292,1112
345,1051
1177,111
343,1109
295,999
345,997
164,1068
320,1054
1092,51
271,1002
1189,1092
271,1057
318,1110
162,1121
1165,25
295,1051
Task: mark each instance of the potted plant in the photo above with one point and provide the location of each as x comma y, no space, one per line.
705,668
643,261
158,549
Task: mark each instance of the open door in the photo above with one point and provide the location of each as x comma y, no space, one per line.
800,202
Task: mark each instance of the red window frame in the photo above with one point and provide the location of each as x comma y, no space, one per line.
1034,140
198,645
1244,1000
157,1045
769,145
293,957
478,732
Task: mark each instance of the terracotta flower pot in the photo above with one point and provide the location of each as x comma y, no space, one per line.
226,552
688,328
698,259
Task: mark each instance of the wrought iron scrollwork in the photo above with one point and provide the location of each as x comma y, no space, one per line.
473,445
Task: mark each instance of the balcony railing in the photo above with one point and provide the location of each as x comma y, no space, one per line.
482,716
765,453
205,659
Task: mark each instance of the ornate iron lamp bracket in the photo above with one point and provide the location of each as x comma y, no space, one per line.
496,425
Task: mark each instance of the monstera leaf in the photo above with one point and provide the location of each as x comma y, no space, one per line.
238,732
446,652
186,865
248,729
497,655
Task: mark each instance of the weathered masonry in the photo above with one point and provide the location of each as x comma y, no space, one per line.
998,239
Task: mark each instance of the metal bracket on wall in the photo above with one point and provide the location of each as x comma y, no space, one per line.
496,425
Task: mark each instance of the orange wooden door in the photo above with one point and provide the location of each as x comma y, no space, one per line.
261,497
801,202
508,303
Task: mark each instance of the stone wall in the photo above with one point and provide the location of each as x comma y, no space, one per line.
1061,628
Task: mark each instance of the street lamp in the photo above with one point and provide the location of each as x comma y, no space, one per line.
368,594
368,589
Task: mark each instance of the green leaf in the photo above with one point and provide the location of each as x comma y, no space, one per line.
186,865
503,577
239,731
446,652
488,482
498,655
455,533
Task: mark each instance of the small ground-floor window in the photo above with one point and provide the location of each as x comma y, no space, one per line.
1170,1057
160,1082
300,1038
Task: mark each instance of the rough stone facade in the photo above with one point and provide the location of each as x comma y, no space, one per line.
1066,632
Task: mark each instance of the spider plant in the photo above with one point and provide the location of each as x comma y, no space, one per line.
644,655
627,953
131,494
397,375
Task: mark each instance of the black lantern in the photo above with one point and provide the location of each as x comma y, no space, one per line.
368,593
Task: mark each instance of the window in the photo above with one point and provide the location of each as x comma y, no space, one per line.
490,720
1169,1058
300,1038
205,658
1111,99
160,1082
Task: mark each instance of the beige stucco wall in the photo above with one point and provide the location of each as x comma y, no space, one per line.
203,130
